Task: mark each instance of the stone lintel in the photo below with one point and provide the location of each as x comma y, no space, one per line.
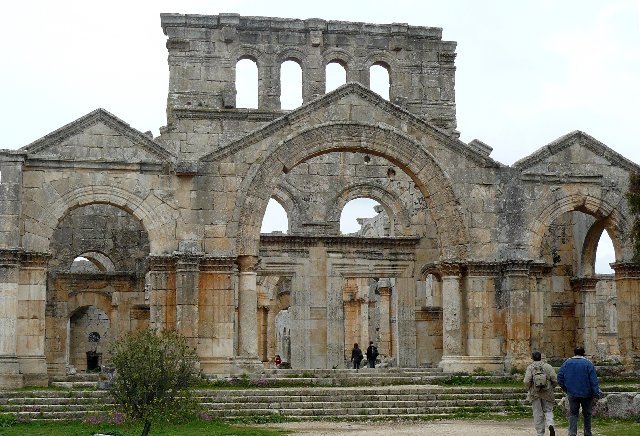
468,364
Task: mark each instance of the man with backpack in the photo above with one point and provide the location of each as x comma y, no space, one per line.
541,380
372,354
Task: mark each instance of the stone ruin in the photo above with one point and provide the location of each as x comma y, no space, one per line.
469,263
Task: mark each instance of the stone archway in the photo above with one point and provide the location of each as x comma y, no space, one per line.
156,216
390,202
405,153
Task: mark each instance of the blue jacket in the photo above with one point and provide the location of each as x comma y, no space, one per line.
577,377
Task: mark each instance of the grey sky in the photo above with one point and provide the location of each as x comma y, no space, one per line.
527,71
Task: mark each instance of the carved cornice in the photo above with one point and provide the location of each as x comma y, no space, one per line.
218,264
187,261
626,270
342,242
483,269
517,267
540,269
10,257
162,263
584,283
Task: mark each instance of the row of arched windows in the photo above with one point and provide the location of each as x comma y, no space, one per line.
291,82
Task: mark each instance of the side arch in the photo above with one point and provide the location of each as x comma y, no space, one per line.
603,210
389,201
156,216
408,155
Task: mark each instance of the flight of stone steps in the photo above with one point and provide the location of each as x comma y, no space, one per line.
337,394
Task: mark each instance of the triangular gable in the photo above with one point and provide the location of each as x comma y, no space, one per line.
93,125
583,140
330,99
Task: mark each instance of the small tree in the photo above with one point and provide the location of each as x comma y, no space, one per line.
633,200
153,371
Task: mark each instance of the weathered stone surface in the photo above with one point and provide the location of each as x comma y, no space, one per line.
468,263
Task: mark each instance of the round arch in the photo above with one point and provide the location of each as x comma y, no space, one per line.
389,201
607,215
155,215
408,155
80,300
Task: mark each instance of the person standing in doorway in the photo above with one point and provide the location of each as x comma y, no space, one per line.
356,356
372,355
577,377
541,380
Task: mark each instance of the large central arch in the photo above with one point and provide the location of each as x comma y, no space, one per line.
407,154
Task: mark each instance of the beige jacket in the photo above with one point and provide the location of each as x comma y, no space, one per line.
552,382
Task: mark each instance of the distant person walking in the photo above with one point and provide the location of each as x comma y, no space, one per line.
372,355
577,377
356,356
541,380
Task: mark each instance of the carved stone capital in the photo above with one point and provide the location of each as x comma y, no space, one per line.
626,270
187,261
584,283
247,263
32,259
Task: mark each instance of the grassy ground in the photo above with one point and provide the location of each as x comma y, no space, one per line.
196,428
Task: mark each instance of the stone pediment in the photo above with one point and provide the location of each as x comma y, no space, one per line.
573,149
367,102
98,136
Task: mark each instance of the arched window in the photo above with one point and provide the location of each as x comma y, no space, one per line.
605,254
336,76
290,85
92,262
380,79
357,217
275,218
246,84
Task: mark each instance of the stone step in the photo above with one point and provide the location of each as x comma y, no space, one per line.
75,384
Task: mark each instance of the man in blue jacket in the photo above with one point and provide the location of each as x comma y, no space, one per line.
577,377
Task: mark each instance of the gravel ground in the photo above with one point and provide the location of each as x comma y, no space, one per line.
437,428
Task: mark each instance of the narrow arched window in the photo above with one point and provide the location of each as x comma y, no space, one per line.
290,85
246,84
605,254
336,75
275,218
380,79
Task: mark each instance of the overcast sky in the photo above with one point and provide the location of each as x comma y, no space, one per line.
527,71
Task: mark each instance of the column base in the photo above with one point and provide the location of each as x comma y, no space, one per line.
469,364
10,377
34,369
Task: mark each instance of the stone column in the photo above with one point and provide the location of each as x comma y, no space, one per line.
385,345
247,307
268,84
187,281
627,279
31,303
586,312
406,321
335,323
10,376
452,345
518,313
162,292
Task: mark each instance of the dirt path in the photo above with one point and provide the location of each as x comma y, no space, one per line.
437,428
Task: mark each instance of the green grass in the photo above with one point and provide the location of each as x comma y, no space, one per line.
195,428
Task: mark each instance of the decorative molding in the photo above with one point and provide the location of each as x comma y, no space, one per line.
626,270
92,118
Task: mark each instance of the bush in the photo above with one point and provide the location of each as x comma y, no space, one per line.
153,371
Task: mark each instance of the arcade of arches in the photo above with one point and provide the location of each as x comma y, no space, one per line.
468,263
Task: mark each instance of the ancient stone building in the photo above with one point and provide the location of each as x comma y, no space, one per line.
470,263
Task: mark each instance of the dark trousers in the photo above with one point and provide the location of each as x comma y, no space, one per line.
372,363
575,403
